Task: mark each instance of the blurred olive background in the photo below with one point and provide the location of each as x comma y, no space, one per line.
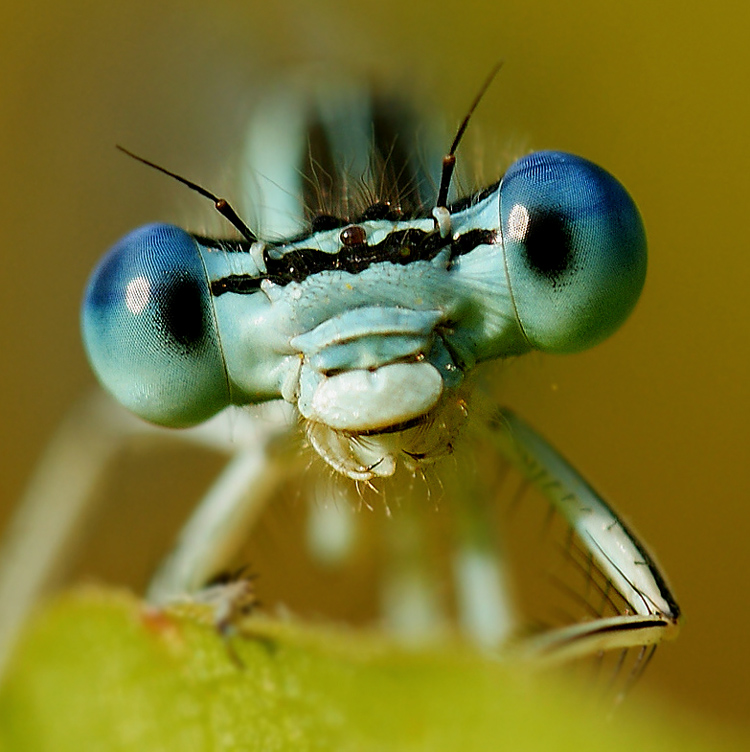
656,92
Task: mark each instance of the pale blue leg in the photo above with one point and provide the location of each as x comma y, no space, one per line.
221,522
38,540
412,605
484,608
652,614
486,614
37,543
332,523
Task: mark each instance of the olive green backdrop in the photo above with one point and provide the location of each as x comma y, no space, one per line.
657,93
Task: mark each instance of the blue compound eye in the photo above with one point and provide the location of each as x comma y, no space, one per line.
575,250
150,331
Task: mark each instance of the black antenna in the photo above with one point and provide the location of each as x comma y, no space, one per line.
221,204
449,160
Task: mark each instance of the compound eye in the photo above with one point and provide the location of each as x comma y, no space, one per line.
149,328
575,250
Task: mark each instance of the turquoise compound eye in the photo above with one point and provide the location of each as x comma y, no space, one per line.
149,328
575,250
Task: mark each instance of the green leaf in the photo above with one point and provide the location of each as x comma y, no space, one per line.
98,670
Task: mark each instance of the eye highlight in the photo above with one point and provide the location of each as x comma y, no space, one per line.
575,250
150,331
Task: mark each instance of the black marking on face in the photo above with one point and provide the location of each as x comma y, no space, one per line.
399,247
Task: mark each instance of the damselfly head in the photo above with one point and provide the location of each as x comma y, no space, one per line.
382,294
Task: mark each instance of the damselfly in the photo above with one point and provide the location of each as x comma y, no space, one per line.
357,311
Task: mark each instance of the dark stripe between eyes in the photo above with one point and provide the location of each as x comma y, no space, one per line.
400,247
